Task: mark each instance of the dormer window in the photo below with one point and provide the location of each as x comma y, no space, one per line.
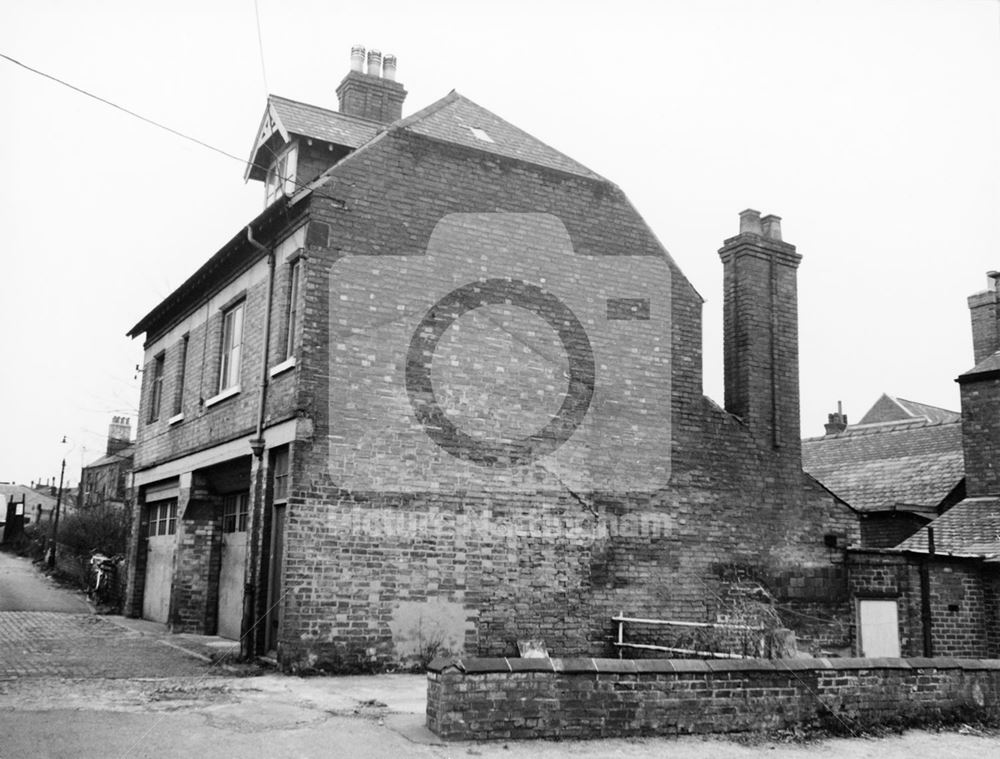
280,179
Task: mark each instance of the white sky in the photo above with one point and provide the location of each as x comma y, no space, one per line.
872,128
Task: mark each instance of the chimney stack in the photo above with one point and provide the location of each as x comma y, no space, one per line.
985,312
761,336
980,391
371,93
837,422
119,434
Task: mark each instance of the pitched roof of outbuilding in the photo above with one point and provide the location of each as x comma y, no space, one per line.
970,528
890,409
31,496
911,464
989,365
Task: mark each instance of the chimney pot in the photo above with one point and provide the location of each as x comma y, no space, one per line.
374,63
772,227
389,67
358,58
750,222
994,280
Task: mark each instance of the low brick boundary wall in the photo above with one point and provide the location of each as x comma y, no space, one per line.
476,699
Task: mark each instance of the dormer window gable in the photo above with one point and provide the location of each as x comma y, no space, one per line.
296,142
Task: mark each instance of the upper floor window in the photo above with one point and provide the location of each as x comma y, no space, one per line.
280,464
292,310
181,368
156,388
280,178
232,346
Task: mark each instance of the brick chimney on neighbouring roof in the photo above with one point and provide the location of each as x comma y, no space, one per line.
985,311
371,92
119,434
980,391
761,336
836,422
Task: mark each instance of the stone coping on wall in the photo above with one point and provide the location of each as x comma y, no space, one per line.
501,698
656,666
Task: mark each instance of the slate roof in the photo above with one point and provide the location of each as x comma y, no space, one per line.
292,117
31,497
454,118
322,124
451,119
912,464
989,364
889,408
125,454
970,528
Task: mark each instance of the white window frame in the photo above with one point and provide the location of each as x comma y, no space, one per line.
280,180
233,323
280,474
292,308
156,387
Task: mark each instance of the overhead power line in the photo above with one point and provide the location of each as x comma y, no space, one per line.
121,108
153,122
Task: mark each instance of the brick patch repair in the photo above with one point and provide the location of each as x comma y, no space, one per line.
483,699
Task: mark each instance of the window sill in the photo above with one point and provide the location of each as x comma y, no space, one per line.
284,366
229,392
176,418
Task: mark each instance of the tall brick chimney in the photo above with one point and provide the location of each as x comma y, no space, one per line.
761,335
980,391
119,434
985,308
371,93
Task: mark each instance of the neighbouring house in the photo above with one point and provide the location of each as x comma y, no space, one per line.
937,593
105,480
24,505
444,394
899,467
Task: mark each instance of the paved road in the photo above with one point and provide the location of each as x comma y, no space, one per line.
24,588
49,631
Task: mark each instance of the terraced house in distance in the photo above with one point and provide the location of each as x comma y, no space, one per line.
444,396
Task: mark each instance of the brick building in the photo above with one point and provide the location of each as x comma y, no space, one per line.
105,480
937,593
310,480
900,467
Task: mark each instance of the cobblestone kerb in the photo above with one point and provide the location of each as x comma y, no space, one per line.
483,699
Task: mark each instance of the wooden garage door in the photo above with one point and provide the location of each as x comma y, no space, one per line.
161,543
232,575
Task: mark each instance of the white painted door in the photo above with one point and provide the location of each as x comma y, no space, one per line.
879,628
232,574
161,544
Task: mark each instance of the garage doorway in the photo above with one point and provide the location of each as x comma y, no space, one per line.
161,543
232,573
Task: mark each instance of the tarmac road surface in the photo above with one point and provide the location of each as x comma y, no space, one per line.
24,588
